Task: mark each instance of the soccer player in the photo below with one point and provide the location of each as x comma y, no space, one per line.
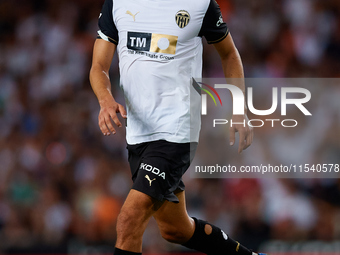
159,44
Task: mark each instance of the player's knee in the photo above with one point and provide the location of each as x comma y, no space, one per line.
130,220
124,218
127,223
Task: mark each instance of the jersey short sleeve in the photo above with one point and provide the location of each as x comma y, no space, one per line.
214,29
108,30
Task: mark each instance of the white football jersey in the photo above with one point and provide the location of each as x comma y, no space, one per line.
159,45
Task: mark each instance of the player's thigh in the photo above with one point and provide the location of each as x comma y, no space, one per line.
173,219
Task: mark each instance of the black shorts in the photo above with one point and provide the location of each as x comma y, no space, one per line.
157,167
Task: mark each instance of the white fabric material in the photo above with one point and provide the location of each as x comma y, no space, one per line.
157,85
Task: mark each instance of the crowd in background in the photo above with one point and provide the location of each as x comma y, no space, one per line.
62,181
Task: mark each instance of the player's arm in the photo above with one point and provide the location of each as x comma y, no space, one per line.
103,52
216,31
233,68
231,60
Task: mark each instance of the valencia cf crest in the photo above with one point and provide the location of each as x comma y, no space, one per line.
182,18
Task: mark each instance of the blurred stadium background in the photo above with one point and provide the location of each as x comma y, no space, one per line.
62,183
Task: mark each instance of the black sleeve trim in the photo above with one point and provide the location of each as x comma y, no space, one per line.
110,39
214,29
106,23
219,40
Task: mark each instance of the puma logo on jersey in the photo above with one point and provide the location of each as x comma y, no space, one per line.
133,16
152,169
148,178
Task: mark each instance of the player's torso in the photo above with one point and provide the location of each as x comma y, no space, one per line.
165,27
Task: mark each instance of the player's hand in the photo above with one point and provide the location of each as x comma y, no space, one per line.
108,115
245,132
